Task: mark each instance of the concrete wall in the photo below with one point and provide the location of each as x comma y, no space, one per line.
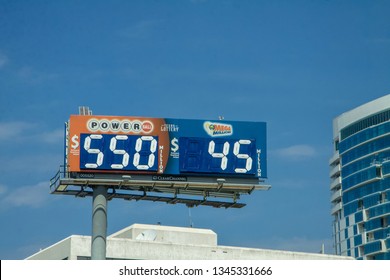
167,234
169,243
57,251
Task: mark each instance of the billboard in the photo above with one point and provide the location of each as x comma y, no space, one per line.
174,148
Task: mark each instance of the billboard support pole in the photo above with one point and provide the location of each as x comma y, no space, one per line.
99,223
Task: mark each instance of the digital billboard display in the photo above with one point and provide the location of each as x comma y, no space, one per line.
166,147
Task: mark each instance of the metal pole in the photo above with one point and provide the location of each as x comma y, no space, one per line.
99,223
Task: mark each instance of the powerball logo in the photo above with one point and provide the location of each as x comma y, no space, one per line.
123,125
218,129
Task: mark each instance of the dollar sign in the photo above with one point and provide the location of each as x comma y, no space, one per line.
75,142
175,145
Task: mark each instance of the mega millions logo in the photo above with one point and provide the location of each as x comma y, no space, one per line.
215,129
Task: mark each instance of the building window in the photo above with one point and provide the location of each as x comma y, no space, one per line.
361,228
360,204
384,222
383,197
365,123
379,171
336,145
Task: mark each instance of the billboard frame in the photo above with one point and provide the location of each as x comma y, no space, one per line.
220,190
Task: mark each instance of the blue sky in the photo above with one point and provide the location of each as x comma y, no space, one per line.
293,64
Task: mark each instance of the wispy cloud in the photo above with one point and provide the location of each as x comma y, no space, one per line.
141,29
294,184
240,76
55,136
34,142
3,189
39,163
31,196
3,60
31,75
8,130
380,40
198,1
297,152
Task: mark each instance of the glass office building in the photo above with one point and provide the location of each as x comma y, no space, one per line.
360,181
